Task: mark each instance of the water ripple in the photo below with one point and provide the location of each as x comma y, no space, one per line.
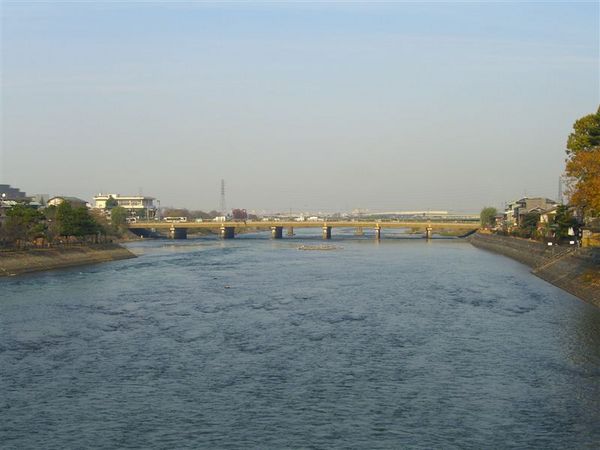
251,344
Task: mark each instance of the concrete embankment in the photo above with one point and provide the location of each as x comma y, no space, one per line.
575,270
35,260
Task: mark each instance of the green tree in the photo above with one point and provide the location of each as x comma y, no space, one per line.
85,225
23,223
75,221
586,134
563,221
118,217
488,216
529,223
111,203
583,163
64,220
104,227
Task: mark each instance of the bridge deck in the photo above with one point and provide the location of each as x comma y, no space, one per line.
334,224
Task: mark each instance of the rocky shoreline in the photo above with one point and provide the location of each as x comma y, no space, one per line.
36,260
575,270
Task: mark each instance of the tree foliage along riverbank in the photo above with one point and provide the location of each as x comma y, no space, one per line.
488,216
555,228
24,226
583,164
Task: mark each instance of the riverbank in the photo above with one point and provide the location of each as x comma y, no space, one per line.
36,260
575,270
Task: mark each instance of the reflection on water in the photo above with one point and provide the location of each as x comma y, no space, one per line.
252,343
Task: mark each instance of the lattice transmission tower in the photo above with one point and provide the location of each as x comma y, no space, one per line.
222,204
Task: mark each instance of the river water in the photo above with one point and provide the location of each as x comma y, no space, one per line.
252,343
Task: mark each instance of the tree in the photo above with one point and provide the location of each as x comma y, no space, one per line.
239,214
529,223
176,212
488,216
85,225
563,221
200,215
53,228
583,163
118,217
75,221
23,223
104,227
111,203
65,220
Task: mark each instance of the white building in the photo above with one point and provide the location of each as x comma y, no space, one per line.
136,204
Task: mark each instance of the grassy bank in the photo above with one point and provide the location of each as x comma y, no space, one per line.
20,262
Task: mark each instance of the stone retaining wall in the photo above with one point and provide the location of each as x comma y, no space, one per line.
576,270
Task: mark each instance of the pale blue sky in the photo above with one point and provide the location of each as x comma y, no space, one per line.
304,106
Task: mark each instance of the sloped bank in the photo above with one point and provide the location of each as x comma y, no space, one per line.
36,260
575,270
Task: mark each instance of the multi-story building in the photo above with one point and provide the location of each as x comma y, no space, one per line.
137,205
515,211
9,197
11,193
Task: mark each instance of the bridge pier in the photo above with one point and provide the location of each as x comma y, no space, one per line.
227,232
377,232
428,232
177,233
276,232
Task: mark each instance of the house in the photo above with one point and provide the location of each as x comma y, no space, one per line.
548,216
74,201
498,220
517,210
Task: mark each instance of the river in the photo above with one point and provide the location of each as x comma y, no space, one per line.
252,343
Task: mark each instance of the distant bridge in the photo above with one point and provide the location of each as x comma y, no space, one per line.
228,230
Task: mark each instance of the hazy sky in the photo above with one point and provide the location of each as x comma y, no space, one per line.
335,106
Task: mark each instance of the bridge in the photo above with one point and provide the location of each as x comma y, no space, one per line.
228,230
